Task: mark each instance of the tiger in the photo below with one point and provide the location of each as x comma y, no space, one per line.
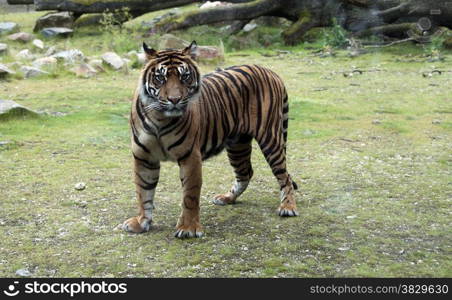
178,115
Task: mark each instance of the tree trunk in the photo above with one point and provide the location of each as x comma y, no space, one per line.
242,11
99,6
362,17
19,2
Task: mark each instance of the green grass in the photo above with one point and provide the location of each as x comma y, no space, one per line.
374,197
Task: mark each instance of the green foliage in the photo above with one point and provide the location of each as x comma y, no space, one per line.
117,38
335,37
435,46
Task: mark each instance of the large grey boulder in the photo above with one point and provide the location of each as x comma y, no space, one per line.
3,48
84,70
30,72
45,62
24,55
23,37
5,71
57,32
55,19
38,44
170,41
97,65
51,51
138,58
69,56
9,108
209,54
8,27
113,60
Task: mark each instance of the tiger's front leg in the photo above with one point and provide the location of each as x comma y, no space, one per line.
146,179
191,177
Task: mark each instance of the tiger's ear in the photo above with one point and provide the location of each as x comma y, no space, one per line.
150,53
191,50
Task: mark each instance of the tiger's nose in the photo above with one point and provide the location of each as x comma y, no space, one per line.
174,99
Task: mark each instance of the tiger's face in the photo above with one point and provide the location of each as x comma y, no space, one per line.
170,80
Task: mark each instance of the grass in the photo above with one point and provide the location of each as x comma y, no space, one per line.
374,197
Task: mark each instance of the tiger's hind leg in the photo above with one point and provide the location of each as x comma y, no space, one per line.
275,154
239,154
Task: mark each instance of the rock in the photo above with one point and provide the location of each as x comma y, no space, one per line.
343,248
23,37
3,48
69,56
52,50
24,55
169,41
84,70
249,27
138,58
8,27
97,65
55,19
45,62
436,122
209,54
309,132
5,71
376,122
30,72
212,4
150,24
141,58
38,44
113,60
15,65
80,186
23,273
9,108
57,32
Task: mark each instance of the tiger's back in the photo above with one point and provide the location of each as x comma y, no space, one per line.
240,100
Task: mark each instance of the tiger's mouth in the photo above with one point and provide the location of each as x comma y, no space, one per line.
174,112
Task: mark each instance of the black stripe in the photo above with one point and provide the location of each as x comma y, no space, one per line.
279,172
137,142
145,163
178,142
147,128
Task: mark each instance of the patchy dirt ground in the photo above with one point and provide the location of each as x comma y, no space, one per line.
371,155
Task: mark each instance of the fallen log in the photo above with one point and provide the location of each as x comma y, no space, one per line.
20,2
362,17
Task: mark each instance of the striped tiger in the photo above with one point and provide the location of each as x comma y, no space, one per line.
177,115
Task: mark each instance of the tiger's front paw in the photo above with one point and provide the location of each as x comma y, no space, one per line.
223,199
287,209
188,231
137,225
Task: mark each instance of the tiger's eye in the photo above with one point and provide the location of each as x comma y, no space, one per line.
160,78
185,77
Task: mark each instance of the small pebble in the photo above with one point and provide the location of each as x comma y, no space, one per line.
23,273
80,186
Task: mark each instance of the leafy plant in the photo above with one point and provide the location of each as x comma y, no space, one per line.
335,37
435,46
112,22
